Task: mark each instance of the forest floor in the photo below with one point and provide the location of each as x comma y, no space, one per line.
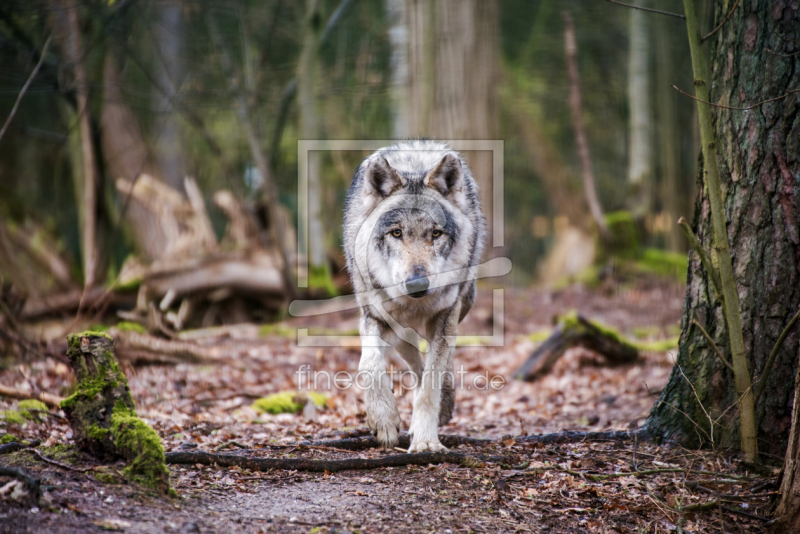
578,487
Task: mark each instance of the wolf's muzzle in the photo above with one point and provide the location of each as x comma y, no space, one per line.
417,285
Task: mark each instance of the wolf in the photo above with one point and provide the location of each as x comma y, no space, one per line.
413,237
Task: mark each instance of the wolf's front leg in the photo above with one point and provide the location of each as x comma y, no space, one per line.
437,375
382,416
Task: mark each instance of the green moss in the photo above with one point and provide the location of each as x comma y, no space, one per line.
95,432
277,329
659,345
540,336
624,234
12,417
74,340
106,478
147,467
288,402
319,277
32,404
8,438
570,319
128,326
663,263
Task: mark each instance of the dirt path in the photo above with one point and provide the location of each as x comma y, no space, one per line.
206,407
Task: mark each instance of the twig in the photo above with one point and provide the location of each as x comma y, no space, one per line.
782,55
705,258
732,107
715,30
667,13
25,87
713,345
331,466
44,458
762,381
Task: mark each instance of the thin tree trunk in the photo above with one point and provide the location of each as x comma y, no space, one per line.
571,51
69,32
169,149
669,154
308,81
640,159
760,205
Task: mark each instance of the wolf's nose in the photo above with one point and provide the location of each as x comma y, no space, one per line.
417,285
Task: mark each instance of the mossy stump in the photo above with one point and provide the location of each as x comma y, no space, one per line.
102,414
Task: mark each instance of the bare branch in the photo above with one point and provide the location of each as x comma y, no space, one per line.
649,10
715,30
713,345
705,258
735,108
27,84
762,381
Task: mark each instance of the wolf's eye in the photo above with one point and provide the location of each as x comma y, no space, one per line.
397,232
436,233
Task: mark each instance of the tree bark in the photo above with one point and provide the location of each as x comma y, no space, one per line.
758,168
449,68
789,507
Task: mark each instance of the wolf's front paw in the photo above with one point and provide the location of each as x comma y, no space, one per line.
386,433
385,424
426,445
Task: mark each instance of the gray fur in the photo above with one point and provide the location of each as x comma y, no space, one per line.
413,210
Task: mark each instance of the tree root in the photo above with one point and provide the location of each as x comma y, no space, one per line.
450,440
331,466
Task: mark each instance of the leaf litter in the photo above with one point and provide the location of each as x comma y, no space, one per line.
579,487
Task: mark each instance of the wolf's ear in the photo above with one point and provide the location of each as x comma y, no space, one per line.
381,179
447,177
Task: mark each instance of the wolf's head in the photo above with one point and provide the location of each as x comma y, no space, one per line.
419,228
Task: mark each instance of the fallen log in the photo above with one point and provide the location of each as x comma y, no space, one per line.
53,401
331,466
574,330
102,414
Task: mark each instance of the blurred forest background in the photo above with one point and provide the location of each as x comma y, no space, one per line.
133,97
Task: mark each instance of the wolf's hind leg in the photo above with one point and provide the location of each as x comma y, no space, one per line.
382,415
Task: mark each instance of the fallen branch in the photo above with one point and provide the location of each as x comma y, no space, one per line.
572,331
450,440
53,401
331,466
16,445
33,484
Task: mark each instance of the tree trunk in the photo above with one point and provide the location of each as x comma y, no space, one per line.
168,148
307,85
759,171
587,174
68,29
640,160
449,68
